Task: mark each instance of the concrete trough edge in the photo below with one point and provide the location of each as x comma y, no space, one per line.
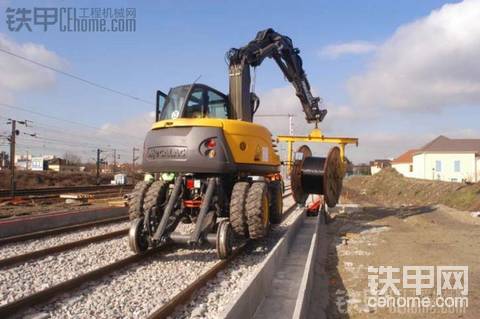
303,297
46,222
255,290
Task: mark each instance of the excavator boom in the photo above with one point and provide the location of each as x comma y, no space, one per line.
269,44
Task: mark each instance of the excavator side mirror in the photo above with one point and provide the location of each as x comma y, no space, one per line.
161,98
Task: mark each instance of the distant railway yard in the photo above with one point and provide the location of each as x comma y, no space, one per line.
49,199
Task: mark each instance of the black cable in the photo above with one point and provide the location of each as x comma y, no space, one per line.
63,120
106,141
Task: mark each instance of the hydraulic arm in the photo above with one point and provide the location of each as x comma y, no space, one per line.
269,44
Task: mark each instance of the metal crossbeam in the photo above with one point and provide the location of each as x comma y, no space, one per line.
315,136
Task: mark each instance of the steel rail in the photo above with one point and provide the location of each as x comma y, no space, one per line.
59,230
10,261
185,295
36,298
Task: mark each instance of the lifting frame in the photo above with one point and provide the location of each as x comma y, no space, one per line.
315,136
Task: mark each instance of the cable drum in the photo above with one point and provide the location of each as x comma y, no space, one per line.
317,175
312,175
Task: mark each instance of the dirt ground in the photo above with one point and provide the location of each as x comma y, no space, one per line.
34,179
406,236
389,188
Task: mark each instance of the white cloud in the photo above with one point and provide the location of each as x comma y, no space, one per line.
341,120
18,75
284,101
131,131
280,101
428,64
355,47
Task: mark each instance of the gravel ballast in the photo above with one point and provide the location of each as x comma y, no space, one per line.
210,301
137,290
21,280
24,247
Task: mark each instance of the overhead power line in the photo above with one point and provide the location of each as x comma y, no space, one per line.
101,141
63,120
76,77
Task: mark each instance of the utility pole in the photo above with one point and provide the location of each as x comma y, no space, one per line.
12,140
99,151
12,158
114,160
134,158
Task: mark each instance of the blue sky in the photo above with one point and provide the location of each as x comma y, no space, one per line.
177,41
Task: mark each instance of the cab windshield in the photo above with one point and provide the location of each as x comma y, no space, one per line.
174,102
203,102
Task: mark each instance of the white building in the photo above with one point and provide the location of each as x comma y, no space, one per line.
404,163
39,164
379,164
446,159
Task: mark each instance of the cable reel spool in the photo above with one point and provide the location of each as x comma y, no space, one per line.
317,175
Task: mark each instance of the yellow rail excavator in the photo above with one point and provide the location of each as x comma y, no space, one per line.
211,166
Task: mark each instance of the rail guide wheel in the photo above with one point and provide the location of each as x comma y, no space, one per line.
137,238
224,239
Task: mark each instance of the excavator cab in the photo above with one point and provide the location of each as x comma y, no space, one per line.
192,101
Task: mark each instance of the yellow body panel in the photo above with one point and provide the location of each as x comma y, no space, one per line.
249,143
212,122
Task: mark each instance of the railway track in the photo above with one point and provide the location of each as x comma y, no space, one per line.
59,230
10,261
34,299
185,295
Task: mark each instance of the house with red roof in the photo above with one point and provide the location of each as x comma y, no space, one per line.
404,163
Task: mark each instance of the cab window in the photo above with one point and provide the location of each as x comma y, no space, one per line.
196,105
205,103
217,105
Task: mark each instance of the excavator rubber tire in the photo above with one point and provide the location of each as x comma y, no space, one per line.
276,202
135,203
155,197
258,210
238,216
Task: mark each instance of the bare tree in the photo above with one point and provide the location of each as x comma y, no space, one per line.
72,158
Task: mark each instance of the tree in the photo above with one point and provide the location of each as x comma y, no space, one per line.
4,160
72,158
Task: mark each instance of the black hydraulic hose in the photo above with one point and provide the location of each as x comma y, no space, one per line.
168,210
